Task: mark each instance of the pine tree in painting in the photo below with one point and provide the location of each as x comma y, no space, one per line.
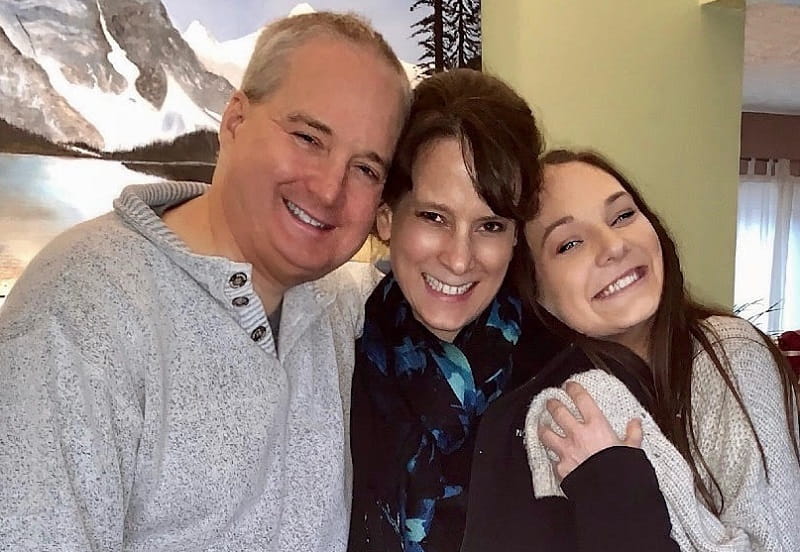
450,34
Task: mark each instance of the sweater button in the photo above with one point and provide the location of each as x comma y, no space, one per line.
238,280
259,333
240,302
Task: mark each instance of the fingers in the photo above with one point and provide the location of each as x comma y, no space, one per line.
555,446
562,416
633,433
584,402
550,439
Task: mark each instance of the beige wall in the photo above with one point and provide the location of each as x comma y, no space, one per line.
654,84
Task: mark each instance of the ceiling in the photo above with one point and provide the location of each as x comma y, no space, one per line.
772,57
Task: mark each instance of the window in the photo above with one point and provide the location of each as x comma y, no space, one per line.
767,274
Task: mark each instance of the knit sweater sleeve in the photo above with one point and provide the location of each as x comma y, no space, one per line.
621,496
67,445
71,405
760,506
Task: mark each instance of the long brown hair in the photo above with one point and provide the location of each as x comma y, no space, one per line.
678,322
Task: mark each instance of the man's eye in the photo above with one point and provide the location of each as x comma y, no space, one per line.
567,246
307,138
369,172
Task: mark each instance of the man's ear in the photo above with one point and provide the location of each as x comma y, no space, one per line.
234,115
383,222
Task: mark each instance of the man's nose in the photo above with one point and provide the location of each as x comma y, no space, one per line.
328,183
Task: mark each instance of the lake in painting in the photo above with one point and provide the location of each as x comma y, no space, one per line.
41,196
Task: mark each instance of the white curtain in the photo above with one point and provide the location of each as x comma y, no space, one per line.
768,247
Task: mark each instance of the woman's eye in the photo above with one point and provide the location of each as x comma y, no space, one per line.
568,245
623,217
494,226
431,216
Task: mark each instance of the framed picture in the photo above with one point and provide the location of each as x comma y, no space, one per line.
100,94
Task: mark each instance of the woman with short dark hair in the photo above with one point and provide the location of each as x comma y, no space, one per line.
440,329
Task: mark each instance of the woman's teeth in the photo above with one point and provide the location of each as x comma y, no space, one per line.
446,289
620,284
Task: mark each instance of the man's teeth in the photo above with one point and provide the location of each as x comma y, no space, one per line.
620,284
305,217
446,289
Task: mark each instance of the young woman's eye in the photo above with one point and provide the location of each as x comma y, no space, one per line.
626,215
493,226
431,216
563,248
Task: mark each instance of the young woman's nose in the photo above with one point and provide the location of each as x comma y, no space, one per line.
612,246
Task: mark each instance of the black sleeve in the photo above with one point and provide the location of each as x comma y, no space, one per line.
618,505
365,427
360,434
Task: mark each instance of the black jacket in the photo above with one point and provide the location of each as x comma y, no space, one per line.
613,501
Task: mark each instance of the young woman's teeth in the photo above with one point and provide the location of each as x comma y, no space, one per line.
446,289
305,217
620,284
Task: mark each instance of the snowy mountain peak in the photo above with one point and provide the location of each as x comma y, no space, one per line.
300,9
116,73
196,32
229,59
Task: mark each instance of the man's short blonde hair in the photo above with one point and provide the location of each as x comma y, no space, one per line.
269,61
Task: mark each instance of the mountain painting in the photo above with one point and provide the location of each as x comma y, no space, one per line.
99,94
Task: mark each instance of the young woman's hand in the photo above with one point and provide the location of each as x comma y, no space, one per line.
583,438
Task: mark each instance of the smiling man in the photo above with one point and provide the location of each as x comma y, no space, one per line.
176,374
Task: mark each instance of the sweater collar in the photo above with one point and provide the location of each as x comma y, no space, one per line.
229,282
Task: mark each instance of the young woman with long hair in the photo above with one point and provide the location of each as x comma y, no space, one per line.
716,401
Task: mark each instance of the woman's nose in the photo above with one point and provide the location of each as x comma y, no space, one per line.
612,246
457,254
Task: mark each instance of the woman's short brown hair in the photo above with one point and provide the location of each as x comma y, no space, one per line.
499,139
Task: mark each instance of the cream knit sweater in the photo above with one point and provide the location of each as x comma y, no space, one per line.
760,513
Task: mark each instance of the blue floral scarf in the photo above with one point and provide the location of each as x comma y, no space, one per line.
428,395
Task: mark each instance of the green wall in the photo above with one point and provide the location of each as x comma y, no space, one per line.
653,84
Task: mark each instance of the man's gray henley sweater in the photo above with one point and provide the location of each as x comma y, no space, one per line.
144,405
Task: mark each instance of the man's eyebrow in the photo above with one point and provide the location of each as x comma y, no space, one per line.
299,117
373,156
553,225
